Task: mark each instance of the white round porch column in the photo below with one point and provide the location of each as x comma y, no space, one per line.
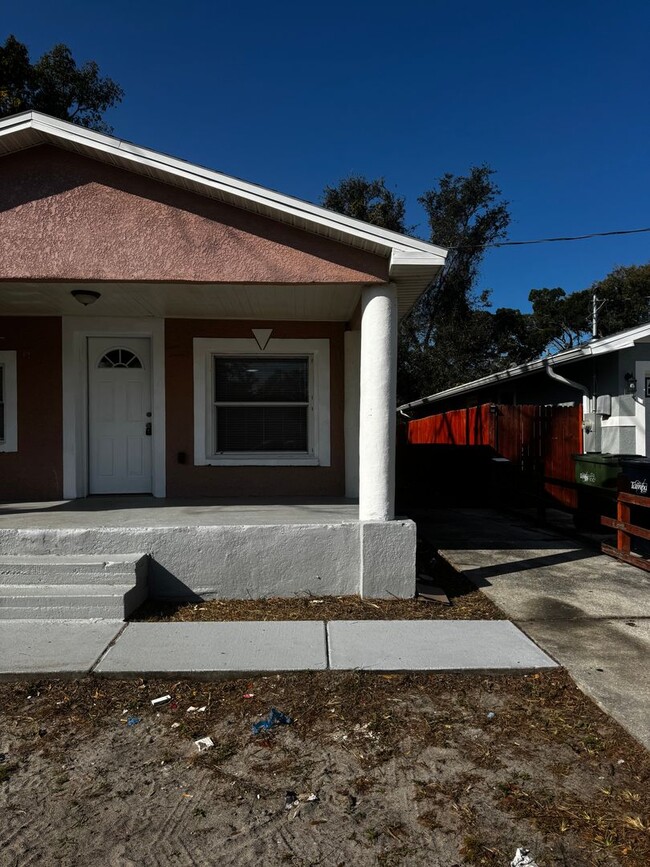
378,395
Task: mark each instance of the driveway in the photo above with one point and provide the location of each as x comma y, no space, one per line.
587,610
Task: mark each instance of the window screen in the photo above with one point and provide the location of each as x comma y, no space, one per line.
261,404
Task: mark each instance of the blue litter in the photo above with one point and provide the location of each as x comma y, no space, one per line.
491,715
133,721
275,718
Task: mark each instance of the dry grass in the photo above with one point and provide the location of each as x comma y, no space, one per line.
467,603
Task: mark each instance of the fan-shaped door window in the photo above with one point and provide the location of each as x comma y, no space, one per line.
119,358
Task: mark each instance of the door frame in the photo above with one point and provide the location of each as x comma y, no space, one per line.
75,333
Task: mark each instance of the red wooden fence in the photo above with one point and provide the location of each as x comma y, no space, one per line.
538,440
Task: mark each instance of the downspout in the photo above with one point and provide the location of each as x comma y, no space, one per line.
550,370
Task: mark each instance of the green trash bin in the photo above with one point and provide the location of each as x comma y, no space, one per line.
596,475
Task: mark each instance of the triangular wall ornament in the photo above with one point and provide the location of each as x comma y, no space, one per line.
262,336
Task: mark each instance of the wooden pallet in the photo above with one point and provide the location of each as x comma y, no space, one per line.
625,530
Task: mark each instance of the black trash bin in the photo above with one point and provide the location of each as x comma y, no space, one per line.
636,480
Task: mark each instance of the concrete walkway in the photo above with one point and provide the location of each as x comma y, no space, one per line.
589,611
207,650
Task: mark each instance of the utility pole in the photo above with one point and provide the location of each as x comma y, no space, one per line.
594,317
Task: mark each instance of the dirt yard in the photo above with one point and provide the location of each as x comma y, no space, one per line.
405,769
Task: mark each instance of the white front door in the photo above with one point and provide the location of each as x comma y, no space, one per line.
119,415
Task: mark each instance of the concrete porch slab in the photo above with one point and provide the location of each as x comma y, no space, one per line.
213,649
153,512
66,648
430,645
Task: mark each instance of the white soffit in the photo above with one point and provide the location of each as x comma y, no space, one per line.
315,302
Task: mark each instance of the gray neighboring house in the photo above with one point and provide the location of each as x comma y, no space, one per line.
609,377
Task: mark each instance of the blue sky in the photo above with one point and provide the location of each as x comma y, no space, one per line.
295,95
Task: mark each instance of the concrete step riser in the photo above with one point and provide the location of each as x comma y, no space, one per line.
70,562
77,542
46,577
55,603
72,587
59,612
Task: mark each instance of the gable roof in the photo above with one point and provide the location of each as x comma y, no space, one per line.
613,343
413,264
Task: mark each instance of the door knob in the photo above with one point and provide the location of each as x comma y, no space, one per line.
147,429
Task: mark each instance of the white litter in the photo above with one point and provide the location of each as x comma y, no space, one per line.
175,725
204,744
193,709
523,858
163,699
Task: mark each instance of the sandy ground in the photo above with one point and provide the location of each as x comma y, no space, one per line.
406,769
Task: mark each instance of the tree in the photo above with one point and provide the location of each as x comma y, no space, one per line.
449,336
562,321
625,298
55,85
366,200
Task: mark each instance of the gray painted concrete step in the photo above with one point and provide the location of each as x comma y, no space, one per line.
70,601
71,568
53,586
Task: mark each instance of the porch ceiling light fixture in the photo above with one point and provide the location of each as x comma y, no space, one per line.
85,296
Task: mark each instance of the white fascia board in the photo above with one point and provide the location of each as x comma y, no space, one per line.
402,261
503,375
16,122
247,192
621,340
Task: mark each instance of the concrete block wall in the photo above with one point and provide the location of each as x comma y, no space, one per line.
249,561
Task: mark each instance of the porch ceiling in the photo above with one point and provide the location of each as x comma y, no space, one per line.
321,303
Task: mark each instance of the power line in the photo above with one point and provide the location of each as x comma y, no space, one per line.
553,240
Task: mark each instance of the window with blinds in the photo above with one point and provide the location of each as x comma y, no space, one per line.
261,404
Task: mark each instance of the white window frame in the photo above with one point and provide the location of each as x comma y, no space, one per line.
10,397
318,352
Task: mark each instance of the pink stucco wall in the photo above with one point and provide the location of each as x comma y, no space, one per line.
35,471
185,479
63,216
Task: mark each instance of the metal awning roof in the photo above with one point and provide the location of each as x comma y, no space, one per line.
613,343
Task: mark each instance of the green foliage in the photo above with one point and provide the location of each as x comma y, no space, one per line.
562,321
464,215
625,298
55,85
449,337
370,201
